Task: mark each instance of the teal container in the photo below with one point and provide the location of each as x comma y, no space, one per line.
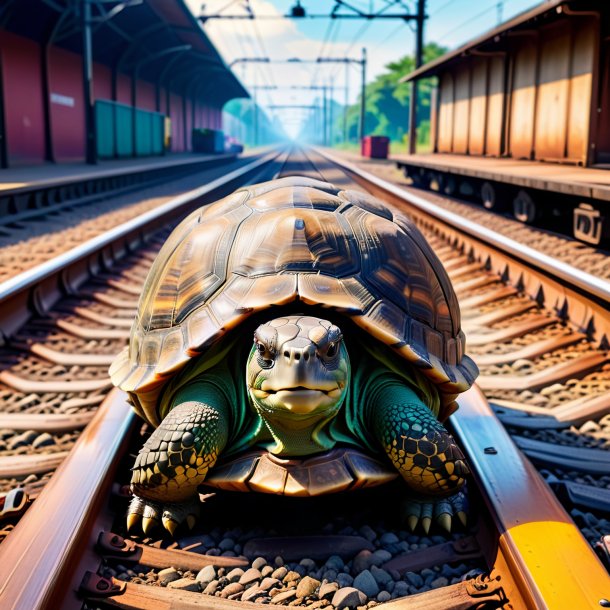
104,129
124,130
119,127
158,133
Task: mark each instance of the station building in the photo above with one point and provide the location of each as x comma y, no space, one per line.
153,77
536,87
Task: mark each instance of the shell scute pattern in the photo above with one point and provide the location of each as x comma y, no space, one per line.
287,240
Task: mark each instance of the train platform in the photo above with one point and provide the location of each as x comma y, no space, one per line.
577,254
561,178
33,177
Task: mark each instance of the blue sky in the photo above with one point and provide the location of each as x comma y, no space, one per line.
450,23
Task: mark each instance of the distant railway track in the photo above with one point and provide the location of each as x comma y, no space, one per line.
518,552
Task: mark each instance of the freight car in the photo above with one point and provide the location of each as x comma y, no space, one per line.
521,119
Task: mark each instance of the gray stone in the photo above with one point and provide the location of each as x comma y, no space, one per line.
235,574
278,561
414,579
211,588
307,586
380,556
168,575
384,596
284,596
348,597
259,563
327,590
232,589
206,575
280,573
329,575
380,575
291,576
308,564
252,593
368,533
266,571
441,581
300,570
389,538
401,588
366,583
344,580
249,576
226,544
362,561
269,582
334,562
185,584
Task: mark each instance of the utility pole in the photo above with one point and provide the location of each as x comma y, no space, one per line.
419,50
324,117
90,144
345,103
363,95
330,119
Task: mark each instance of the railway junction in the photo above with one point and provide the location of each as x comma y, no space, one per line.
118,120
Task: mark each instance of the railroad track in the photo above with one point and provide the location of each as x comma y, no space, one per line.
517,552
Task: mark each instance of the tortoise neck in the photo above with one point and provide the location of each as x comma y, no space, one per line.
303,436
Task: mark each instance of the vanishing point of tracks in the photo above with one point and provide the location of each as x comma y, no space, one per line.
538,335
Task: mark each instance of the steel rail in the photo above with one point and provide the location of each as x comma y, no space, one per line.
29,278
38,288
590,284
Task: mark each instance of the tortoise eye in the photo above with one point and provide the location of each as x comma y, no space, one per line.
264,355
331,351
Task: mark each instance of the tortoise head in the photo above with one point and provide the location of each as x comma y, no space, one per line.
298,367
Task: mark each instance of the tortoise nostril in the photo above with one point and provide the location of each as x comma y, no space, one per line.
297,356
286,354
306,356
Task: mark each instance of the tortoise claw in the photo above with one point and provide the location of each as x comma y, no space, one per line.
444,521
444,512
149,525
461,515
169,524
425,523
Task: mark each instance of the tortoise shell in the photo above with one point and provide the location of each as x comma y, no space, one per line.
293,239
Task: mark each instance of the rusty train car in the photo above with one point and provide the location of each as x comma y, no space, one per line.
521,119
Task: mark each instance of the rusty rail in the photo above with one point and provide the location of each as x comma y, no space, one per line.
40,560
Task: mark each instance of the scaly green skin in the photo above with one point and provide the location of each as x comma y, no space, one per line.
418,445
176,458
298,374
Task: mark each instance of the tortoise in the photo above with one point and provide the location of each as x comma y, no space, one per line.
356,361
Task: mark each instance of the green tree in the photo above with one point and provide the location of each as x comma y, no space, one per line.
387,103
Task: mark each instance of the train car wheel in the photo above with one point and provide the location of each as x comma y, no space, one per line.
524,208
488,195
449,185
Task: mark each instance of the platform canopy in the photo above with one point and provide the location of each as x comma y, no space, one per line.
158,40
492,39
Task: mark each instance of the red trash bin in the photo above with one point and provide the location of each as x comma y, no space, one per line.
375,147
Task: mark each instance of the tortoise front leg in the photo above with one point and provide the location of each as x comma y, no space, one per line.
422,450
175,460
